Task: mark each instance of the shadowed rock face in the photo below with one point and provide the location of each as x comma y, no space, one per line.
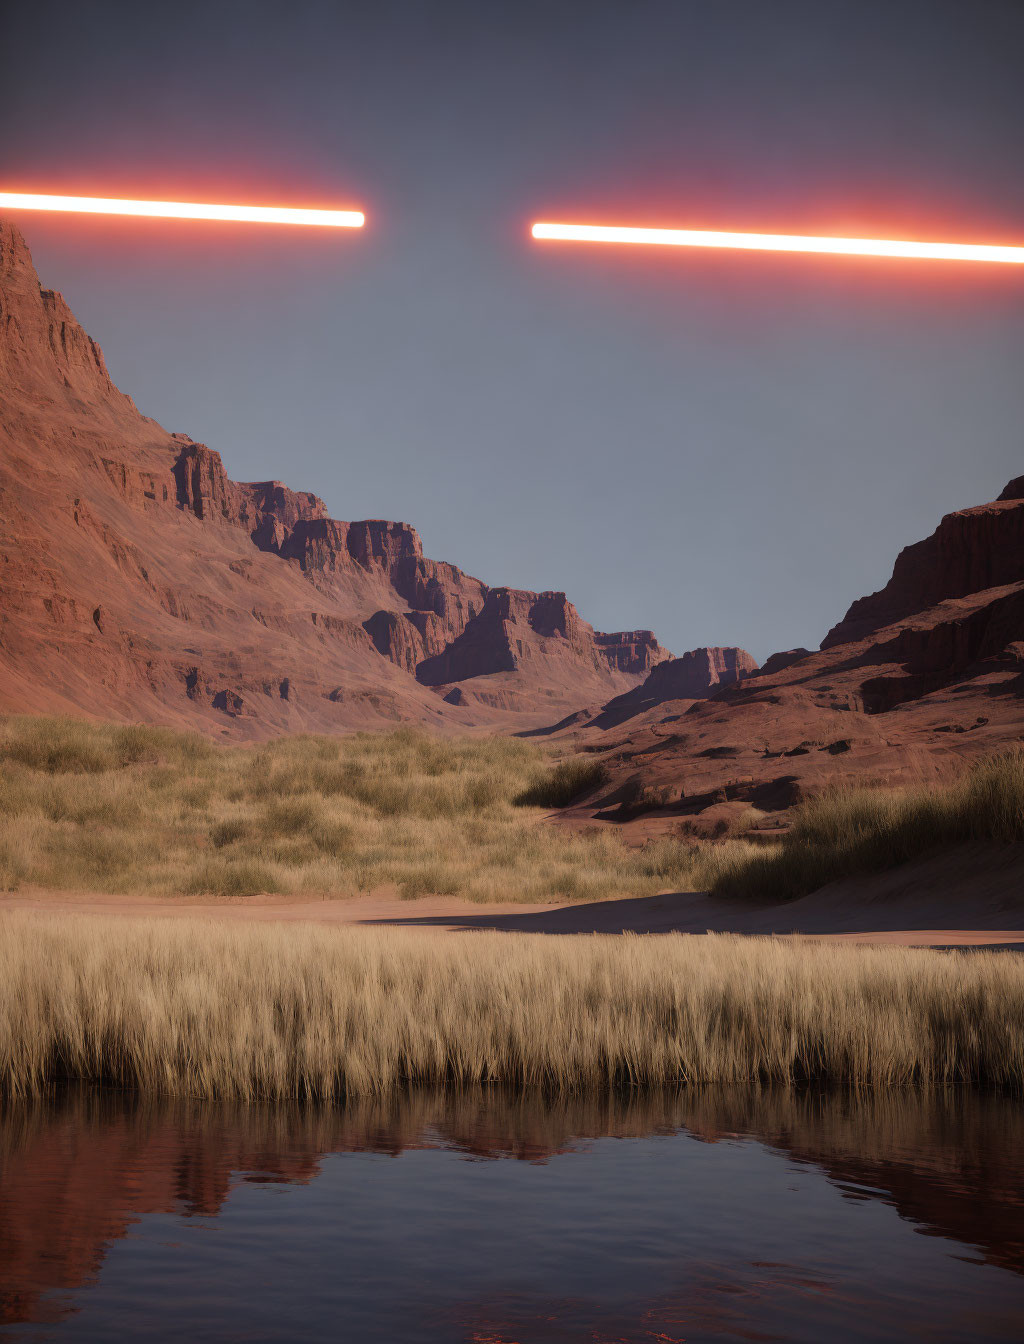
777,662
214,592
969,551
697,673
515,629
695,676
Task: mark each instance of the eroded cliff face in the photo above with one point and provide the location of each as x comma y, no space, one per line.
969,551
631,651
696,675
142,582
915,681
515,629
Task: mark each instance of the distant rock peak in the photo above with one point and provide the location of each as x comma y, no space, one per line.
698,673
631,651
43,349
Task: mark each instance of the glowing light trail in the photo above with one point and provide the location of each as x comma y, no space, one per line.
779,242
247,214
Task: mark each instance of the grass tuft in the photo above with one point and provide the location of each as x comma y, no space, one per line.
566,782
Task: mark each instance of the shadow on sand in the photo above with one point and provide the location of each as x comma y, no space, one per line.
817,916
676,912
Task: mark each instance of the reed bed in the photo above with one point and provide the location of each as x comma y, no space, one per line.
263,1011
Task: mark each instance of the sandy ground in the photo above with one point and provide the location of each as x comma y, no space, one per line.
972,899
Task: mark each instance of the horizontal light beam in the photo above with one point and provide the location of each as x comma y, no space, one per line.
246,214
779,242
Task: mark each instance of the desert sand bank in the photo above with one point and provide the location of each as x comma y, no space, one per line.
951,901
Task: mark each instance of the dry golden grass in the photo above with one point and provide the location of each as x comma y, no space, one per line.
134,809
262,1011
859,831
129,809
564,783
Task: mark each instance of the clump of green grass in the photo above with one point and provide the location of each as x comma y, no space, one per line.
566,782
212,1009
105,808
859,831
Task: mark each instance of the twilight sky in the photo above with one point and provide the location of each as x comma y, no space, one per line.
726,448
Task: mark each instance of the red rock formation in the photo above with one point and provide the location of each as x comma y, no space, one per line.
203,485
777,662
515,629
395,636
43,350
695,676
212,594
632,651
969,551
917,678
271,498
697,673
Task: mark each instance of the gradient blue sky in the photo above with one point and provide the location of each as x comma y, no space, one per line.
726,448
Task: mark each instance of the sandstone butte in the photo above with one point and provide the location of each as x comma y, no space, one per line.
141,583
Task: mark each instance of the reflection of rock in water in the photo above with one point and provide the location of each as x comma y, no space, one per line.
77,1171
951,1160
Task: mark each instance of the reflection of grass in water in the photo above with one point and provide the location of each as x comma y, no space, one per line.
100,807
215,1010
858,831
972,1139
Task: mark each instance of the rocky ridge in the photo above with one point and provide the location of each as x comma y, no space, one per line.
916,680
142,582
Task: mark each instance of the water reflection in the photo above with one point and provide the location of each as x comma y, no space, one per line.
78,1170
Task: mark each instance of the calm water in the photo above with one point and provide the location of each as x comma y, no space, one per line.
724,1215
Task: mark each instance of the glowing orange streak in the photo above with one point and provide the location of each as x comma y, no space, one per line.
779,242
248,214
